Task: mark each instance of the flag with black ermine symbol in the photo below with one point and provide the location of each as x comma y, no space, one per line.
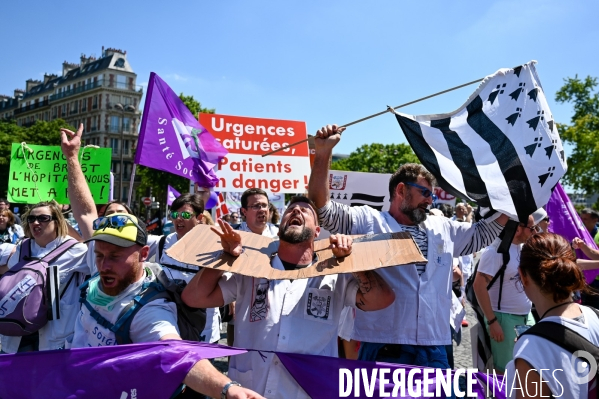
501,149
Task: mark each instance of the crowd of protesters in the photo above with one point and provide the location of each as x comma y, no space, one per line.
400,314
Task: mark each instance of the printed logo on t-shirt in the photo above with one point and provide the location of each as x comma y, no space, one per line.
259,308
319,305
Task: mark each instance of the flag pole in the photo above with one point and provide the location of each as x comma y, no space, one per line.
389,109
131,184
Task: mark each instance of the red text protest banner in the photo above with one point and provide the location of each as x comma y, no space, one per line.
247,139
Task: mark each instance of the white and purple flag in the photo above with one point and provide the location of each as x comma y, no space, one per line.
172,140
171,195
501,149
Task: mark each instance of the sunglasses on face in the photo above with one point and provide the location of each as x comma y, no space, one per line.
234,216
533,229
426,193
185,215
115,222
258,207
40,218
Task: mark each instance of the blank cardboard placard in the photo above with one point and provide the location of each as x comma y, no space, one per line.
201,247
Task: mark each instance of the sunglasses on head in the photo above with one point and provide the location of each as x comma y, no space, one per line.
426,193
40,218
116,222
185,215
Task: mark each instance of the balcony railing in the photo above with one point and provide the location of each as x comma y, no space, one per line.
31,107
117,129
95,85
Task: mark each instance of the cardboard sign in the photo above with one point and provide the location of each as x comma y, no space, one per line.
369,252
247,139
41,175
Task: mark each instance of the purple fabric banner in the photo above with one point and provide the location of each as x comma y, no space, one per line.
564,220
171,195
320,377
171,138
150,370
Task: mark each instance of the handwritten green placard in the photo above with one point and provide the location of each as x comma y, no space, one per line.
42,174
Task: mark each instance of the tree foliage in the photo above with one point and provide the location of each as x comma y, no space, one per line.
377,158
41,133
583,133
157,179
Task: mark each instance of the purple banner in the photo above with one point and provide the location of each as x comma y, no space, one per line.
150,370
171,195
328,377
171,138
565,221
156,369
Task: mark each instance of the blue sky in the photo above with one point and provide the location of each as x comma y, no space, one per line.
315,61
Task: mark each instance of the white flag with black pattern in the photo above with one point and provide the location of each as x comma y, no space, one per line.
501,149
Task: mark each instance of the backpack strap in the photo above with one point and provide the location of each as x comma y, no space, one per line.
564,337
161,247
25,250
93,312
151,290
500,273
53,278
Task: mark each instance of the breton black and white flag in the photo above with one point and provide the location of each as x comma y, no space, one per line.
501,149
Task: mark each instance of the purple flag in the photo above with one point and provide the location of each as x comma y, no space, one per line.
171,138
149,370
320,377
171,195
565,221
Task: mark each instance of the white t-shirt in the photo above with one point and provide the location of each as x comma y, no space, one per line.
558,370
211,331
56,333
299,316
513,297
153,321
270,230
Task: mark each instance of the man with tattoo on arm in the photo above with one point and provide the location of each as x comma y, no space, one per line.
414,330
297,316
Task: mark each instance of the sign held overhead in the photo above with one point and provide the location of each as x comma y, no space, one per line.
247,139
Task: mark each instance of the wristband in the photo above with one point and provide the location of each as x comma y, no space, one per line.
223,394
489,322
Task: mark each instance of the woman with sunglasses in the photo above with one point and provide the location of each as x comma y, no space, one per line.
46,229
10,231
550,275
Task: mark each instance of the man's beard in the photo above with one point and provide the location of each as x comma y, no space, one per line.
294,236
122,284
415,214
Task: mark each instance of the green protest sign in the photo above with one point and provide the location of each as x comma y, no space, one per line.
41,174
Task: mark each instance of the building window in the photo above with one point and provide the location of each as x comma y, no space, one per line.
126,124
114,99
95,102
115,124
114,144
121,81
126,147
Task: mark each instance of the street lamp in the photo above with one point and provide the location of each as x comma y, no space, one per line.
123,108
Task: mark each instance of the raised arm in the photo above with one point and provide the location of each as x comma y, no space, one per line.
318,187
591,253
203,290
82,202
